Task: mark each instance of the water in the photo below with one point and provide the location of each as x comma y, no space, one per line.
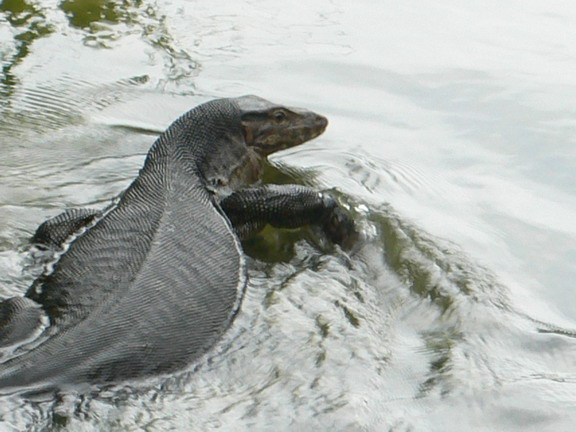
452,140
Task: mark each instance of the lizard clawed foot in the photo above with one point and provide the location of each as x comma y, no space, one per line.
338,225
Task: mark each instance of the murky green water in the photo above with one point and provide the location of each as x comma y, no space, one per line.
452,139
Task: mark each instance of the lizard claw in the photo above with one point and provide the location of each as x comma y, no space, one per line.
338,226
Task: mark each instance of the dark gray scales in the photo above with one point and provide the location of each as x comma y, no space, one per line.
20,317
287,206
53,233
152,283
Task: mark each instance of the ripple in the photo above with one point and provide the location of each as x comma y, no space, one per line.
61,103
374,175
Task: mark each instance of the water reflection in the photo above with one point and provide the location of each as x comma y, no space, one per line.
84,13
29,21
102,24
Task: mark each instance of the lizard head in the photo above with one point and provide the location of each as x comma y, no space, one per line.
269,128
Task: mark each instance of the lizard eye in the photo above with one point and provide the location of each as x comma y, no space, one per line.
279,116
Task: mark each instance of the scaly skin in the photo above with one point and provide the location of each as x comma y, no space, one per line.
149,284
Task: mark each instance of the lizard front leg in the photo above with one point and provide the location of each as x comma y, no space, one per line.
22,317
288,206
53,233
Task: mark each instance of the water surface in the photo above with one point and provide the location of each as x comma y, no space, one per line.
451,138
